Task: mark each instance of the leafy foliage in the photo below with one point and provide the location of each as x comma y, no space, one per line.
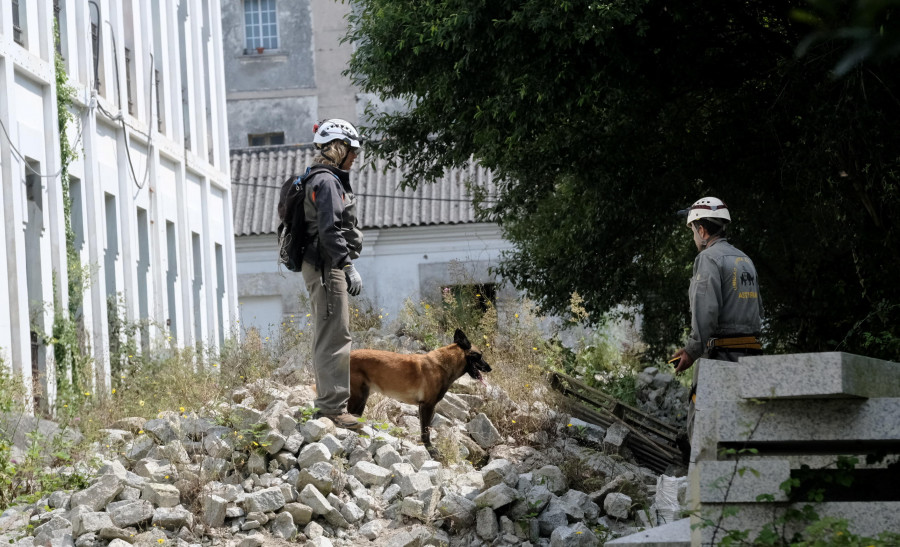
602,118
868,30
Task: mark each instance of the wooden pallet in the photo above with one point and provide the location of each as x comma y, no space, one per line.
651,440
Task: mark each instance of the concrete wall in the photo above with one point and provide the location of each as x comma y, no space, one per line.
150,187
396,264
290,88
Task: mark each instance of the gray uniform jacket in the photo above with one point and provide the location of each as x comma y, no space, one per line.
724,294
331,224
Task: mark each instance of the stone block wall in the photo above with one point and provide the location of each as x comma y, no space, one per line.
767,419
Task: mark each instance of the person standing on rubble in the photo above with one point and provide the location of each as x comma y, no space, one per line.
328,270
726,307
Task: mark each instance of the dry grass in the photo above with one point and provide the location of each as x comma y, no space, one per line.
177,380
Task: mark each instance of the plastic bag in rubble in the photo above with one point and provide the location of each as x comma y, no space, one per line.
670,500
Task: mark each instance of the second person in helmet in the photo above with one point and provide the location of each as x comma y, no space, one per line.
328,270
726,308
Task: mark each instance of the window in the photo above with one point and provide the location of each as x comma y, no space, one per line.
160,126
56,12
95,47
128,69
266,139
260,26
17,29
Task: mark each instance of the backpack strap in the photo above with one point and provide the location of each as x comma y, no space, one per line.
310,171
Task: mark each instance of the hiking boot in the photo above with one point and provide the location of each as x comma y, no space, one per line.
344,420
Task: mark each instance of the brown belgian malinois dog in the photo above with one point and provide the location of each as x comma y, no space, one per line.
416,379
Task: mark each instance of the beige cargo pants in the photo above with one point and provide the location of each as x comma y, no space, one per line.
331,337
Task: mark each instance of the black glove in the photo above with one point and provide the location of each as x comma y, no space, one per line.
354,280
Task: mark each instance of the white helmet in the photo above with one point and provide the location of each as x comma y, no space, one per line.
336,129
711,208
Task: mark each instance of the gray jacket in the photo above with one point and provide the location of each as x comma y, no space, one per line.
331,224
724,294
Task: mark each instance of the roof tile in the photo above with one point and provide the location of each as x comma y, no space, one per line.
257,174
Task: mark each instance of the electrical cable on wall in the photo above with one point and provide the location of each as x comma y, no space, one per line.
25,161
121,118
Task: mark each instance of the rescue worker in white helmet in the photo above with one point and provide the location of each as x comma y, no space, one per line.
328,270
726,307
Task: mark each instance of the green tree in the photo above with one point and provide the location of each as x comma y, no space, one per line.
603,118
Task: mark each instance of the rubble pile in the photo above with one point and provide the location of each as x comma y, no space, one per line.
662,396
258,471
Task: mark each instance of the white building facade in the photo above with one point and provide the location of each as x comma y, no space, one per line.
149,200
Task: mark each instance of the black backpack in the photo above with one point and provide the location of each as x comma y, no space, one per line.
292,238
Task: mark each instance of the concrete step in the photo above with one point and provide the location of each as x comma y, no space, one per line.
675,534
817,375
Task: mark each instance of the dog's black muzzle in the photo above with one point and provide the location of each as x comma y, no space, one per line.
475,366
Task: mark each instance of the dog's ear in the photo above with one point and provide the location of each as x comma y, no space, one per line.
459,338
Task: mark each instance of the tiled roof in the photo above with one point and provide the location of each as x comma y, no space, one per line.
257,174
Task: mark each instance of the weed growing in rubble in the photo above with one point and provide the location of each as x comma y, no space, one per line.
24,474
